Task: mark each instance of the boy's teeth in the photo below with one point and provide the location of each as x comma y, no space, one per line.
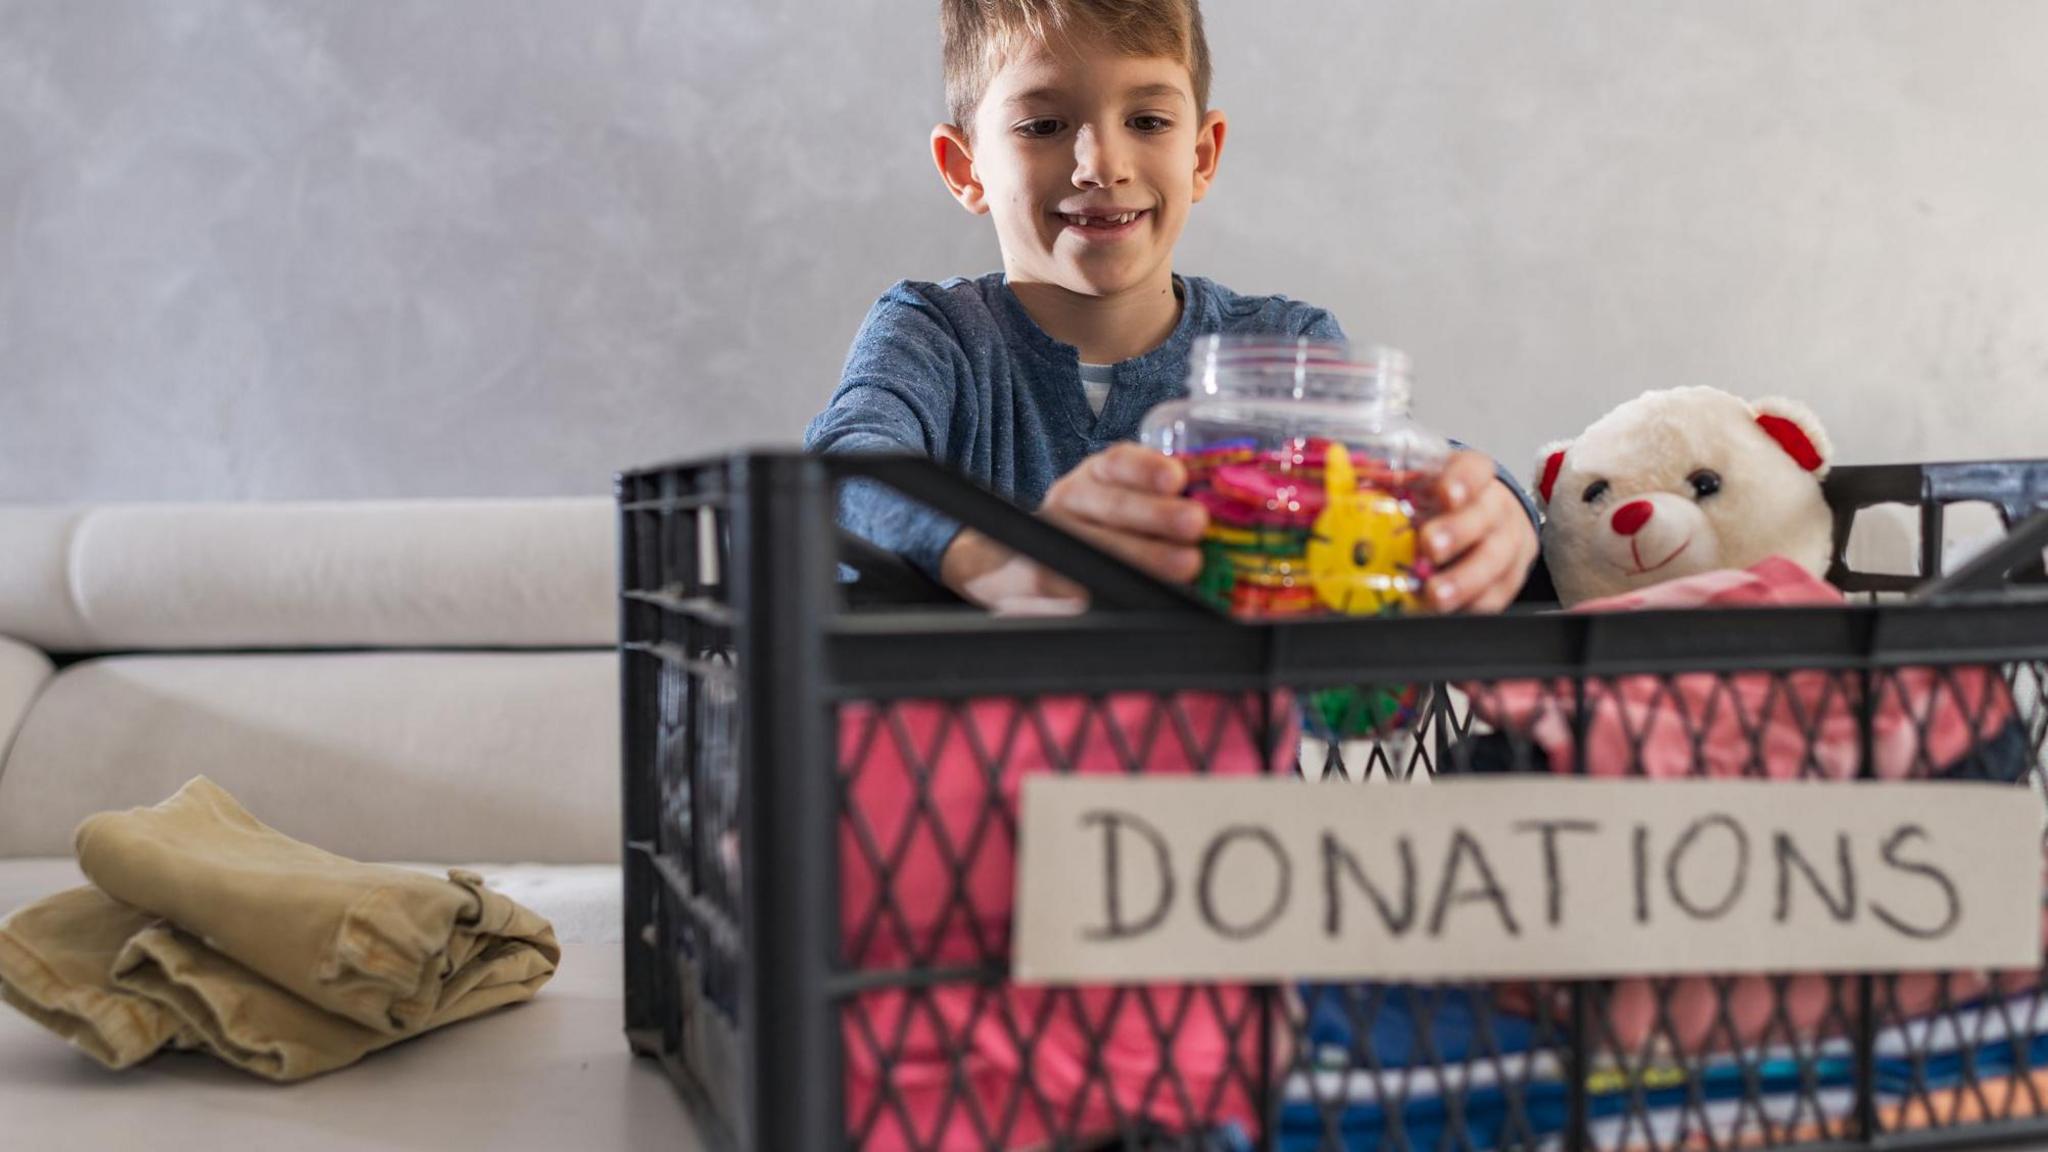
1102,221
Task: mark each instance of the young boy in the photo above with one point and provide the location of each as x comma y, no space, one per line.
1082,129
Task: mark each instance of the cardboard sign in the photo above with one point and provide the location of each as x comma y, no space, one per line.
1124,879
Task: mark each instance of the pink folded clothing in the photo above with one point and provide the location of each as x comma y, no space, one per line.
1781,726
927,869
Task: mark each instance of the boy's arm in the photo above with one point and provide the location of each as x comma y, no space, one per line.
895,395
1125,500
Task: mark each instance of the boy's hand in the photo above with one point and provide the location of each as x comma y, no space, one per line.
1481,540
1125,500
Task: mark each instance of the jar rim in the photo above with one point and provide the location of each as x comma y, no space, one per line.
1335,356
1300,368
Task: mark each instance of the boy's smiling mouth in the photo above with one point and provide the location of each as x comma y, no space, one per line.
1101,225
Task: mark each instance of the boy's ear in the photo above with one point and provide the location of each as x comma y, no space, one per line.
955,160
1208,149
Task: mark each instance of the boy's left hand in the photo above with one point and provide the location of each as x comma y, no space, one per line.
1481,540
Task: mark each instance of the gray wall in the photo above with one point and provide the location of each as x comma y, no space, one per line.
285,248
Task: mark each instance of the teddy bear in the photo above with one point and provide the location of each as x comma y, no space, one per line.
1692,497
1683,481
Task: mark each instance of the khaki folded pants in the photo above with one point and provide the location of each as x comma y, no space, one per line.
205,928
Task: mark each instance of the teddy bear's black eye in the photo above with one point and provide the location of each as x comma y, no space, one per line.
1596,490
1705,482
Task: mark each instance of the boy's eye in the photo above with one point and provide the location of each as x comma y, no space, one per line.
1039,128
1151,123
1595,490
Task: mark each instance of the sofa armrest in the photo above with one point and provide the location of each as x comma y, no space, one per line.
38,601
23,672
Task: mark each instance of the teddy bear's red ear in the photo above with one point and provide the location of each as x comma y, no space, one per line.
1547,468
1798,432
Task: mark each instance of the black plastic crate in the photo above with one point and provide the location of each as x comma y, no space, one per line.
764,698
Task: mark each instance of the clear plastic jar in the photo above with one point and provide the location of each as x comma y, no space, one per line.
1313,472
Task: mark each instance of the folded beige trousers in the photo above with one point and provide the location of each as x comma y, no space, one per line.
207,927
56,965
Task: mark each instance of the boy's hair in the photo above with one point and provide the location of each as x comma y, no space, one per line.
977,33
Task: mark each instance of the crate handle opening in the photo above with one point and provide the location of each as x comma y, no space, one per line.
1110,582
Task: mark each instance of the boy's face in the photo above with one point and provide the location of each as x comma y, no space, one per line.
1087,162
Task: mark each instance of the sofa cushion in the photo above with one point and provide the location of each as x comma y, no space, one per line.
36,601
23,672
368,573
409,573
23,882
450,757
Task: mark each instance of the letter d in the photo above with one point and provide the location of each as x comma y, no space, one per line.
1117,925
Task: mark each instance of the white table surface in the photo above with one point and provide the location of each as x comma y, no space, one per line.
551,1074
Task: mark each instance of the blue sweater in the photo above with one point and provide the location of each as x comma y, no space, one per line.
959,372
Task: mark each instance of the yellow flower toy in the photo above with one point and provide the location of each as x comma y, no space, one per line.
1361,550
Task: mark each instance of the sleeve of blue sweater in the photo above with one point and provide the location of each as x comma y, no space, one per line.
895,394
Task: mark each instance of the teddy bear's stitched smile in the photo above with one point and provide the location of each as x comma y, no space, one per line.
1639,570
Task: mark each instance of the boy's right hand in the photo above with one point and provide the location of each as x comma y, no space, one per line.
1125,500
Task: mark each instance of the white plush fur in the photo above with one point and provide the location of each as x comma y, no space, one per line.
1648,449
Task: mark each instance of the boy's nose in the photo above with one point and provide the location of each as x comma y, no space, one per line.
1098,163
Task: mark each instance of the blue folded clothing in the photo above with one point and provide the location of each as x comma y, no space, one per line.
1407,1066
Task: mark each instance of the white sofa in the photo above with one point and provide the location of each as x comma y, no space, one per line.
417,681
414,682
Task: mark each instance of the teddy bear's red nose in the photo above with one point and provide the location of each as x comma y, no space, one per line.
1630,517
